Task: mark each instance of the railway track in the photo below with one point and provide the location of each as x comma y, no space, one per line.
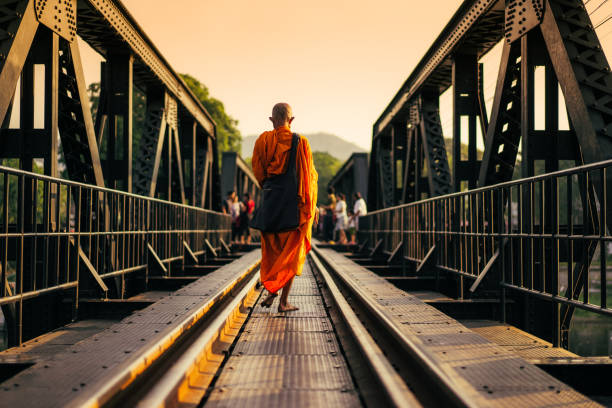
186,373
341,348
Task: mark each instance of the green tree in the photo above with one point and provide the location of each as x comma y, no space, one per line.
327,166
229,138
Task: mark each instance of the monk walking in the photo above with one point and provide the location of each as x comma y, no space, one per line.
283,253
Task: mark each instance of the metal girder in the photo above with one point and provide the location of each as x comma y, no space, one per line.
35,140
438,174
203,164
521,17
504,132
107,24
115,119
550,39
399,132
352,177
237,176
75,123
131,59
585,78
146,167
373,186
189,258
155,263
47,12
209,183
178,189
18,27
188,140
385,160
467,103
477,26
567,46
409,192
102,111
422,145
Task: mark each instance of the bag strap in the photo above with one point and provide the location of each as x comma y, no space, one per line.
293,153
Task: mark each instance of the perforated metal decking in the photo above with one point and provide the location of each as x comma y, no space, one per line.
287,359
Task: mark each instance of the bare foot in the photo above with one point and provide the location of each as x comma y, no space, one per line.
287,308
269,300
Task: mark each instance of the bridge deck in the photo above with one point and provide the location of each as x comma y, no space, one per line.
486,372
527,346
291,359
79,374
530,347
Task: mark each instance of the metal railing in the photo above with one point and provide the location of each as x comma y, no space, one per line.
57,234
546,236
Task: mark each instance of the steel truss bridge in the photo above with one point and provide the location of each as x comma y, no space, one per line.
119,286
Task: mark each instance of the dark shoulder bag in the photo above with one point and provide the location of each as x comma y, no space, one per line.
278,210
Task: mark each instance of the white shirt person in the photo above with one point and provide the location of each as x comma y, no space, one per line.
359,208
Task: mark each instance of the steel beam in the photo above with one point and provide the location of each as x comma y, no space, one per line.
116,114
438,174
352,176
104,23
75,124
477,25
14,48
146,168
466,108
237,176
504,131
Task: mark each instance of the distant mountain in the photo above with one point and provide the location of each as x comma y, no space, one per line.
319,142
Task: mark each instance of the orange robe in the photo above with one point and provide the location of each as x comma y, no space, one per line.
283,253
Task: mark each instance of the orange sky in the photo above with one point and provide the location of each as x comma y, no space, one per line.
337,62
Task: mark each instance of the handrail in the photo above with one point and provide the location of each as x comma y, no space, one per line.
59,235
18,172
538,236
539,177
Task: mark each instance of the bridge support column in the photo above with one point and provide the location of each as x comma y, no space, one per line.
469,115
114,120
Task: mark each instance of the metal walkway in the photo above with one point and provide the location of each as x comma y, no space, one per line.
357,340
287,359
87,372
475,369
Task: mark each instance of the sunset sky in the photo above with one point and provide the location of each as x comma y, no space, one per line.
338,63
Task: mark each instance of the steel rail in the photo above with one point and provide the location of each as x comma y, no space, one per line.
35,293
438,378
122,382
541,177
173,379
397,392
166,391
59,181
174,383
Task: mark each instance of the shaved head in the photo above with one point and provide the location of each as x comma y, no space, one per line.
281,112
